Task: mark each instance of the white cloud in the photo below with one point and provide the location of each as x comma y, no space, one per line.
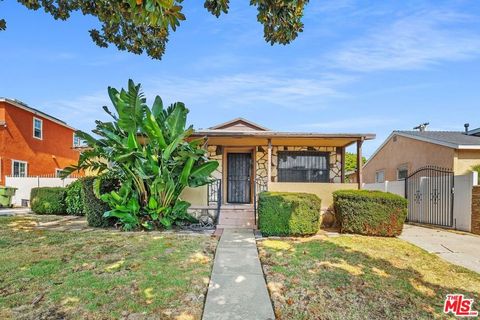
411,42
355,123
250,90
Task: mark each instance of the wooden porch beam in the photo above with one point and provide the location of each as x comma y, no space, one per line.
359,163
343,165
269,162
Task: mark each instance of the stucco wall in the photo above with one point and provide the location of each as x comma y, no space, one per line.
323,190
410,152
54,151
465,160
196,196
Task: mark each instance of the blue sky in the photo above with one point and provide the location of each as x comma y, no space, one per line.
359,66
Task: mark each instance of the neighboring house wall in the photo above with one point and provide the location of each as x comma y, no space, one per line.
412,153
53,151
465,160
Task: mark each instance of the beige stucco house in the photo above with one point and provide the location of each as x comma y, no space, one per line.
403,152
253,158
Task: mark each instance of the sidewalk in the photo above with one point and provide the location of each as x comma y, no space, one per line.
237,287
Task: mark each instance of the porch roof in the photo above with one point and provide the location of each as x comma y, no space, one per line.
251,138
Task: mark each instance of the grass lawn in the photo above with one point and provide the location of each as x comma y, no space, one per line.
100,274
358,277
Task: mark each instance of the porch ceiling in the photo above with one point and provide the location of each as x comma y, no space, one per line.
261,138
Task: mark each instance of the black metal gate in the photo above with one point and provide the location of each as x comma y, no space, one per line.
430,194
239,173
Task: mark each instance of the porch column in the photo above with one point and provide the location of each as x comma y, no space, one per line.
359,163
343,165
269,160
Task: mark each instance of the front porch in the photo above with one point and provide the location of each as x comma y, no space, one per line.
253,159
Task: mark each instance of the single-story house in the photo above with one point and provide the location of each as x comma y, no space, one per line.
403,152
253,158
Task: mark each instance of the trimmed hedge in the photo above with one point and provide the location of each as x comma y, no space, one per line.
48,200
93,207
288,214
74,198
372,213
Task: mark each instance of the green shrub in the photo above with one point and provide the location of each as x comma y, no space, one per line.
288,214
48,200
372,213
476,168
74,198
93,207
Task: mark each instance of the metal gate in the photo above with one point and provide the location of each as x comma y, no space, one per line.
430,194
239,177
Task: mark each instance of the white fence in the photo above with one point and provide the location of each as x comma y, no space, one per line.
397,187
462,205
25,184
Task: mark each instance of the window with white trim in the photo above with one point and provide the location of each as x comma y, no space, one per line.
77,141
37,128
19,168
402,172
303,166
380,176
58,172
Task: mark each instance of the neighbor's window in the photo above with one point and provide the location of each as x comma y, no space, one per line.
77,142
58,172
19,168
402,173
37,128
380,176
303,166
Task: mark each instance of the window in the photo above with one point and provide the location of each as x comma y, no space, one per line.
402,172
77,142
19,168
380,176
303,166
58,172
37,128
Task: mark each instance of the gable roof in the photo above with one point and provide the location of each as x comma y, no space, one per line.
474,132
450,139
239,121
26,107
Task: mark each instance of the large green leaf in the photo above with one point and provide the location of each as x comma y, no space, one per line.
177,119
186,171
153,130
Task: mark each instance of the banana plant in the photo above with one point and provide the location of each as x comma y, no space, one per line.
151,152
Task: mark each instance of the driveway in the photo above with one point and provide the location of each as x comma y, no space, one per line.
458,248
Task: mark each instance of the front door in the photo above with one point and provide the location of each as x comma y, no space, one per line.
239,172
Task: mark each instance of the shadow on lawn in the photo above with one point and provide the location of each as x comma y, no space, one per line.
322,279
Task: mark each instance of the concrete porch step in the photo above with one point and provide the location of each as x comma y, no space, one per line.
244,214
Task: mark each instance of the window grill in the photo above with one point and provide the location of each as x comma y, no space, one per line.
303,166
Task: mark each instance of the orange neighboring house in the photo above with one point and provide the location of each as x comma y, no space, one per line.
32,142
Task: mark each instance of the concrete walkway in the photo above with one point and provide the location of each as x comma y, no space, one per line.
458,248
8,212
237,287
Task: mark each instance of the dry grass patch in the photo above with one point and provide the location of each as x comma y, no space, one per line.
100,274
358,277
